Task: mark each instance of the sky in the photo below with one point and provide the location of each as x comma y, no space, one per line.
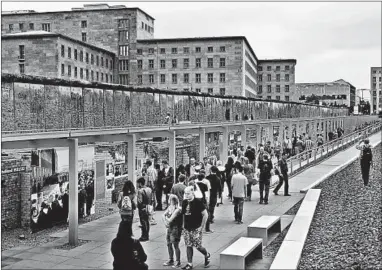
330,40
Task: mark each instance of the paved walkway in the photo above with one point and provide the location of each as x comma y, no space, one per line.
96,253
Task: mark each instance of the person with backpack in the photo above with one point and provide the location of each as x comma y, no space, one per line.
126,202
366,158
265,167
145,207
128,252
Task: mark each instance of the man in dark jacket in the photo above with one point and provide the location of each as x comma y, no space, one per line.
250,155
168,179
283,175
265,167
366,158
145,200
214,192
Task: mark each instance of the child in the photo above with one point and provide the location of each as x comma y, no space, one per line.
172,218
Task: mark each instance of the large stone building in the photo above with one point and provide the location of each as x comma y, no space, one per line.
376,89
276,79
42,53
112,28
339,92
215,65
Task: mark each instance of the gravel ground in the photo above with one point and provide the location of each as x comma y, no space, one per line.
10,238
293,210
347,223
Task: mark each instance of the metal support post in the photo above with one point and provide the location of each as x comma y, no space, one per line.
73,191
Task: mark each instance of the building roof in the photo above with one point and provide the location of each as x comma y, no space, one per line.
44,34
159,40
277,60
340,81
86,8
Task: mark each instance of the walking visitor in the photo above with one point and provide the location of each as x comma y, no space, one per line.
239,191
145,209
366,158
265,167
178,188
127,202
283,175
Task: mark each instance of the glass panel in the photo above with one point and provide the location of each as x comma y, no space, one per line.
76,107
55,111
109,107
127,108
135,108
88,108
7,109
119,109
98,105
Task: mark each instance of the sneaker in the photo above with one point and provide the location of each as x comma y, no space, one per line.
169,263
187,267
275,192
208,232
207,260
261,202
265,202
177,265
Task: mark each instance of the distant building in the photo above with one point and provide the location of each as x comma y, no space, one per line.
376,89
215,65
363,94
339,92
42,53
276,79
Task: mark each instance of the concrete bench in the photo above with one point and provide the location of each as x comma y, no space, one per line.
289,254
263,226
234,256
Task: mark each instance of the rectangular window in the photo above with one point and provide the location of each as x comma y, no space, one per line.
198,49
143,25
210,91
277,68
87,58
287,77
162,63
286,68
186,78
260,78
21,52
222,91
81,73
83,37
210,77
111,78
222,77
92,75
186,50
123,36
62,70
31,26
174,50
162,50
101,61
286,98
260,97
269,88
151,50
198,78
84,24
210,49
107,78
101,77
277,97
124,79
97,76
21,26
97,60
198,62
69,52
260,89
123,23
163,78
222,49
174,78
269,97
277,77
222,62
81,56
22,68
124,50
277,88
269,68
210,62
139,51
151,63
62,51
174,63
124,64
75,72
286,88
46,27
140,64
151,78
374,79
11,27
260,68
186,63
198,90
87,74
269,77
69,70
92,59
75,54
111,64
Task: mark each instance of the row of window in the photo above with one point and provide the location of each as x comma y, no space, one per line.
186,78
375,79
186,63
277,97
93,60
269,88
22,27
278,68
269,77
186,50
148,28
86,74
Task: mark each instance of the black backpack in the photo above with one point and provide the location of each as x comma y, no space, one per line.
367,154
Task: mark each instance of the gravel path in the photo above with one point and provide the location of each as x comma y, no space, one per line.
347,223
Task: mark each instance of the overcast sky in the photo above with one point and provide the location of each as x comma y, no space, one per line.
329,40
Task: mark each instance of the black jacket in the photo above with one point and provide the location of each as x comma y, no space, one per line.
123,253
215,185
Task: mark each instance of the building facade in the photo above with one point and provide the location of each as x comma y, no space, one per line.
376,89
53,55
215,65
339,92
112,28
276,79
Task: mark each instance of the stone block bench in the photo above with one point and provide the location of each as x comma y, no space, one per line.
263,226
289,254
234,256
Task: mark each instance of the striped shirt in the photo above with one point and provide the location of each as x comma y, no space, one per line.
308,144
